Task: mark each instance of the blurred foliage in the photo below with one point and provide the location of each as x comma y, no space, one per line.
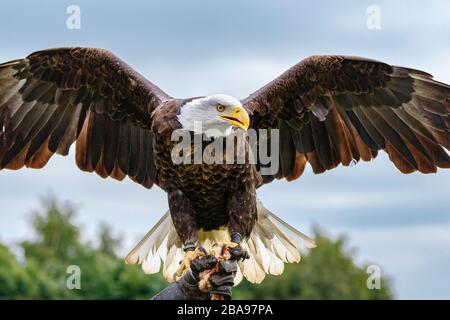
327,272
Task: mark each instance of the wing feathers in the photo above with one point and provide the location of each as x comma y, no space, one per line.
353,107
56,97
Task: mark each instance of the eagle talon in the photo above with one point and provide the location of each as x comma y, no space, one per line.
185,264
238,253
231,250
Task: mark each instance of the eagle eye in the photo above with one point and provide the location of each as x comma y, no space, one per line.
220,108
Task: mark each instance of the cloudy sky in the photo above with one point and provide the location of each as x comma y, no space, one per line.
199,47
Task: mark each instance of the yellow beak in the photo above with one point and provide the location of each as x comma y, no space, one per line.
238,117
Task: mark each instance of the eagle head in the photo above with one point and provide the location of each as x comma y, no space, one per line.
214,115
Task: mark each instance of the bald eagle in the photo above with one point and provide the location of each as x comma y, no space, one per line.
328,110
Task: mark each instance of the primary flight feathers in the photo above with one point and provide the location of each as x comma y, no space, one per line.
56,97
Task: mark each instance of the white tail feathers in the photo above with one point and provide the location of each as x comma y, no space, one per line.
271,244
161,242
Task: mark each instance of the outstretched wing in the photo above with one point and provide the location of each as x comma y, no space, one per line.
333,110
55,97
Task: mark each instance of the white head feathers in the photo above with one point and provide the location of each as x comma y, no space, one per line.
208,115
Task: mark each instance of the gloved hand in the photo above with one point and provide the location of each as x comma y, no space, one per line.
201,264
187,288
223,282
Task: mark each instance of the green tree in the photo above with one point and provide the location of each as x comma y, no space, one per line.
15,283
55,246
327,272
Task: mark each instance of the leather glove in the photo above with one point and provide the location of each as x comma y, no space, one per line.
223,281
187,287
201,264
